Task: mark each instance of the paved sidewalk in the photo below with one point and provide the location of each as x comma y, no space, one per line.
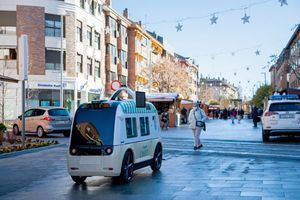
220,130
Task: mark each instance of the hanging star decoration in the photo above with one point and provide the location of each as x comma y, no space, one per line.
235,73
212,57
233,53
247,68
179,27
214,19
245,19
257,52
283,2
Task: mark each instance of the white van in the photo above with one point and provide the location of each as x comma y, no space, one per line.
114,137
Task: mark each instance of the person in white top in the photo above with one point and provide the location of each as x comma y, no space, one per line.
197,118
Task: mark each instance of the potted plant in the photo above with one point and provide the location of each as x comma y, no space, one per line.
2,131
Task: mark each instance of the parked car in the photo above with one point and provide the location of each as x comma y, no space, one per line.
43,120
281,116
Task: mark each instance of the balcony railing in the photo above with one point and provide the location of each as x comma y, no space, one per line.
8,30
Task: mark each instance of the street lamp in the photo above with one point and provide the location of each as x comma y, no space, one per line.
61,61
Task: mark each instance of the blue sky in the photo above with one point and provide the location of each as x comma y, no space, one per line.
268,31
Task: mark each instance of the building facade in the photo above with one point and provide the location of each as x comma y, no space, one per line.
116,41
285,73
81,25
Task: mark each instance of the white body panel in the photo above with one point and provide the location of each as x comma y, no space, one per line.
281,120
142,147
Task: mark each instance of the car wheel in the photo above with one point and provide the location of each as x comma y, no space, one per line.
40,132
78,179
265,136
66,133
157,158
16,130
127,168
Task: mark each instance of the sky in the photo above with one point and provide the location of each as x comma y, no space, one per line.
212,46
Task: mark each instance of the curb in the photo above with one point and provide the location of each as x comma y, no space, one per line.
19,153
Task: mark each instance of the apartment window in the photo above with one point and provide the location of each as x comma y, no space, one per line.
92,7
89,35
89,66
131,127
8,30
113,27
99,8
8,54
113,54
124,34
123,80
97,40
112,76
124,59
82,3
52,25
144,125
53,60
97,69
79,31
79,63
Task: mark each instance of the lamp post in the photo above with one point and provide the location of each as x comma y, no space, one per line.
61,62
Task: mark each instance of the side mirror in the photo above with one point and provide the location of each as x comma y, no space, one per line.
140,99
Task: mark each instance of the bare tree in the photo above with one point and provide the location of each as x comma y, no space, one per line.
168,76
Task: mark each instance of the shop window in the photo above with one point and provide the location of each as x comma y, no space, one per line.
79,63
144,125
9,54
131,130
52,25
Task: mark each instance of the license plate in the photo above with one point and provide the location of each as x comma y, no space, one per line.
286,116
61,122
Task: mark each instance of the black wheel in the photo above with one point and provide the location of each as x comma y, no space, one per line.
66,133
127,168
16,130
265,136
157,158
78,179
40,132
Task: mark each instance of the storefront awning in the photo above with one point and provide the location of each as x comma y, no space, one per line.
162,97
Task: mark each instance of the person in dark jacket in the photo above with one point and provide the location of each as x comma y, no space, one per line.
254,114
184,115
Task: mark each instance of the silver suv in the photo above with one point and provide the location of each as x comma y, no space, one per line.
43,120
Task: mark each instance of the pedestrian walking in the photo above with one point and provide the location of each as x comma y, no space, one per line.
254,114
197,119
184,115
239,115
225,114
233,115
165,119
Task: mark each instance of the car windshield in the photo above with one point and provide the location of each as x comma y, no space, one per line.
93,127
288,106
58,112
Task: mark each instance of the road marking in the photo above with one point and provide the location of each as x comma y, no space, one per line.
237,153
